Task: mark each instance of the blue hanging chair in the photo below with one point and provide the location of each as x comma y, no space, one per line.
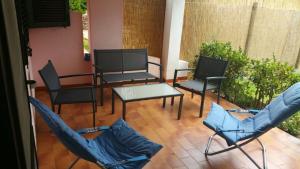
238,133
118,147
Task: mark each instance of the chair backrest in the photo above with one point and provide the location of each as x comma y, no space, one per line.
50,78
208,66
110,60
282,107
72,140
135,59
118,60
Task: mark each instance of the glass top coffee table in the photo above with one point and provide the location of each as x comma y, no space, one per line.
145,92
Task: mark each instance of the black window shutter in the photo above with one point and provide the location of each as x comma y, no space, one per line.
48,13
23,29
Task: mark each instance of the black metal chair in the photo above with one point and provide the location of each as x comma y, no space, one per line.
59,95
208,75
123,66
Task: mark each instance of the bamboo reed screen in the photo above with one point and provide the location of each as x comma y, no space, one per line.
275,31
144,25
273,4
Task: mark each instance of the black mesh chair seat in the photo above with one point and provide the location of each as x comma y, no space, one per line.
59,95
76,95
112,78
139,76
208,75
197,85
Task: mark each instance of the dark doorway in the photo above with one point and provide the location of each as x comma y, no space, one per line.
17,142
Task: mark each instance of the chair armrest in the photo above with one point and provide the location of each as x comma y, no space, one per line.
55,90
76,75
72,88
100,69
133,159
92,130
155,64
179,70
160,69
251,111
215,78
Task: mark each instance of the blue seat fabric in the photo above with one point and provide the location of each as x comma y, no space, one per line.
119,142
282,107
122,142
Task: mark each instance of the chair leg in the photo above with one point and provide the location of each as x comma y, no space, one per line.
94,114
59,108
202,105
218,99
192,94
224,150
95,84
209,143
264,153
73,163
53,107
95,104
252,160
101,91
239,146
95,81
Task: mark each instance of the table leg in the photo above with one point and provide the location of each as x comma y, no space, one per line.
124,110
180,108
164,102
172,101
112,102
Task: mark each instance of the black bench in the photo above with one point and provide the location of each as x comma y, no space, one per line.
123,66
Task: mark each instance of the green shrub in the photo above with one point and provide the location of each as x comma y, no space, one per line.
86,44
78,5
253,83
270,78
292,125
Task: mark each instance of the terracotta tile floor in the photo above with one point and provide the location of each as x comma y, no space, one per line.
184,140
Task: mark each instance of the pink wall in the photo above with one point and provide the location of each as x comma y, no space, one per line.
63,46
105,24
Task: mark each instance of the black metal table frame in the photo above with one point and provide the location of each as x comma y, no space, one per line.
148,98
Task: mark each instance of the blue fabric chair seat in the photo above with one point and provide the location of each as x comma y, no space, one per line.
234,130
122,142
227,126
116,144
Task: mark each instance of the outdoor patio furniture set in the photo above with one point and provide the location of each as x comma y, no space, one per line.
121,147
121,66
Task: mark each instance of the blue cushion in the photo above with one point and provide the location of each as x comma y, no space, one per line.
234,130
120,142
77,144
220,120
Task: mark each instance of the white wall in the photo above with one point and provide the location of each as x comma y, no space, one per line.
105,24
63,46
174,16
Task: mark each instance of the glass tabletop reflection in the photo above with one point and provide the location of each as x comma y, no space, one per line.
146,91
